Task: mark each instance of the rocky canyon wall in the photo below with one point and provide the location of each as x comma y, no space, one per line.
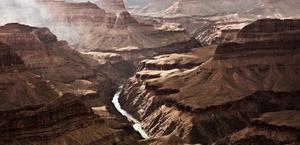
219,95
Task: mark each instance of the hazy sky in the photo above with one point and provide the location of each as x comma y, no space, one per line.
31,13
22,11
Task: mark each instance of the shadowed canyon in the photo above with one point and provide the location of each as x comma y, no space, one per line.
149,72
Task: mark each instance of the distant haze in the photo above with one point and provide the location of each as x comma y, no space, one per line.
22,11
30,12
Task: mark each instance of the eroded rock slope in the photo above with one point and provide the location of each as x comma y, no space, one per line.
205,96
47,89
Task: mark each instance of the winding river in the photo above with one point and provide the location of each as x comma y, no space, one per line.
137,125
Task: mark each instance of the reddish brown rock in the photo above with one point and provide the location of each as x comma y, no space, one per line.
271,128
8,58
220,95
38,68
271,30
45,88
63,121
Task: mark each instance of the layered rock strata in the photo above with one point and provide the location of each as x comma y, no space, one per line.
99,30
206,30
37,68
271,128
255,8
64,121
46,87
203,98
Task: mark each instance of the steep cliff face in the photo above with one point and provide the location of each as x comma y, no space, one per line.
46,87
271,128
29,43
203,98
63,121
23,50
9,58
271,30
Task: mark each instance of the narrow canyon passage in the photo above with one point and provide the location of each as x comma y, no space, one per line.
137,125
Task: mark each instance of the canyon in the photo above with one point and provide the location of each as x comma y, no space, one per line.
210,22
47,90
98,28
212,92
178,8
149,72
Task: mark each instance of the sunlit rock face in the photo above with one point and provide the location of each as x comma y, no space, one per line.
213,92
